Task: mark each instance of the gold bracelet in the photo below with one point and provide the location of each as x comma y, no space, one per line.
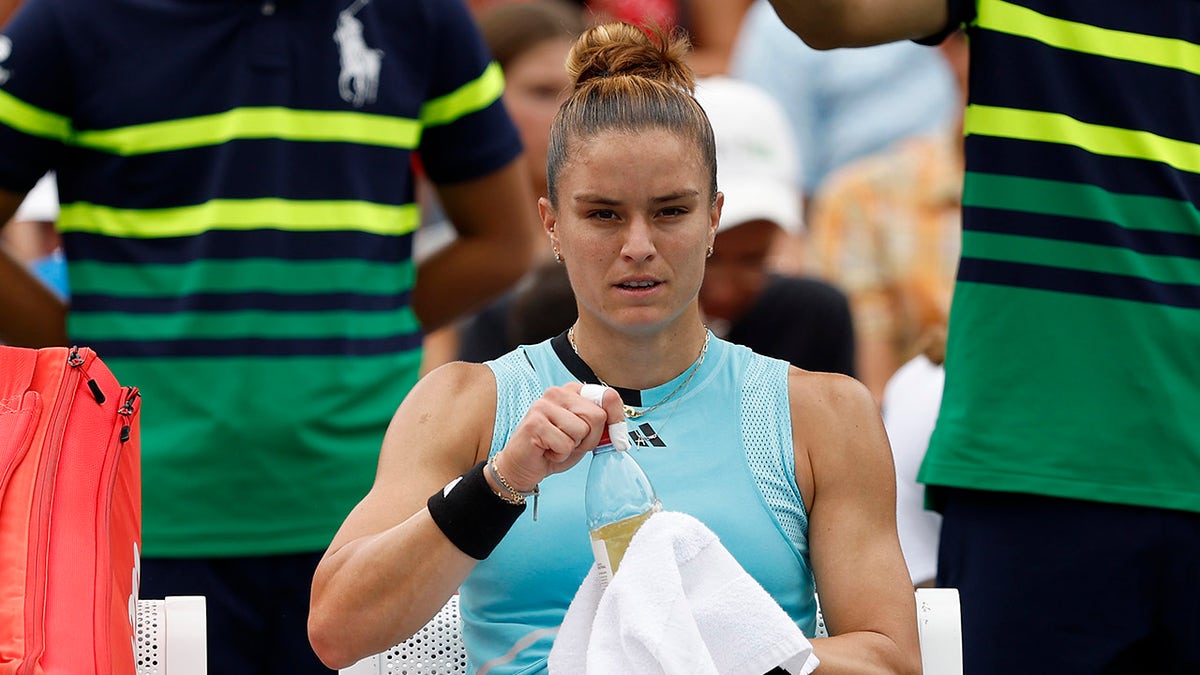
513,496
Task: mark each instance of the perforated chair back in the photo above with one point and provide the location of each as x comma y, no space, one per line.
172,636
437,648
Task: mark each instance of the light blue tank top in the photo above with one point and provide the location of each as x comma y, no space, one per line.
721,450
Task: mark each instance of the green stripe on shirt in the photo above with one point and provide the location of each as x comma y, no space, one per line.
1075,200
1081,256
470,97
254,123
251,275
243,214
1046,127
1005,17
244,324
322,126
33,120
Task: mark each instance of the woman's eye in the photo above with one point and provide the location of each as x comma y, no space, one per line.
673,212
602,214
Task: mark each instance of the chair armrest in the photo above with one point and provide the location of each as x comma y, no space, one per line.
939,625
368,666
172,636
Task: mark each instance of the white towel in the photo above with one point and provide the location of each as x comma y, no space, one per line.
679,604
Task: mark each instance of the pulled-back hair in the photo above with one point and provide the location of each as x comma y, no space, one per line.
628,80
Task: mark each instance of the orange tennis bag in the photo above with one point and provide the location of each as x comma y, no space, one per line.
70,514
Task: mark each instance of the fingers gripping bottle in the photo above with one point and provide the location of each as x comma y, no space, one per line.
618,498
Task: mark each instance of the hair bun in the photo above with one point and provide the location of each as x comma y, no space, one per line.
622,49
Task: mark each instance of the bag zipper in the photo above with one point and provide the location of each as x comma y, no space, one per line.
77,359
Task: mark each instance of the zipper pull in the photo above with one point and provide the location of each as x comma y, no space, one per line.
75,360
96,392
126,411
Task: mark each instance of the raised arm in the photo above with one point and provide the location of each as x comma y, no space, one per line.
391,567
866,597
826,24
498,227
30,314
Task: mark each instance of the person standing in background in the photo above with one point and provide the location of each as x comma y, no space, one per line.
30,236
844,104
530,40
1066,456
711,25
801,320
887,230
237,215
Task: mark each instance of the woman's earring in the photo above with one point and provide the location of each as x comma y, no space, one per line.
710,251
557,255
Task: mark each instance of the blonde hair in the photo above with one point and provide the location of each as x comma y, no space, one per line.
626,79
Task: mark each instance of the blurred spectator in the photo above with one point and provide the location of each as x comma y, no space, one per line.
887,230
237,215
847,103
910,408
711,25
804,321
530,41
31,238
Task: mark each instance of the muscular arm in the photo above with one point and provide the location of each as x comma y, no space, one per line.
497,224
842,456
825,24
30,314
390,568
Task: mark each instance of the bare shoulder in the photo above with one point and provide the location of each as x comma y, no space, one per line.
451,411
455,379
837,431
821,400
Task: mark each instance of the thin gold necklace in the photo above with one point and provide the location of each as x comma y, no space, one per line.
632,412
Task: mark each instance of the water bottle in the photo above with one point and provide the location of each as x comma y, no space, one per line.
618,498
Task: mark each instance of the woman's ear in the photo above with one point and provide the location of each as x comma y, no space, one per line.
715,218
546,212
549,222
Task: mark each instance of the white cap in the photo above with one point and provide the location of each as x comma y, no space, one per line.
757,166
618,432
41,202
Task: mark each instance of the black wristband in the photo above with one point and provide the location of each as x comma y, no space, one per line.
471,515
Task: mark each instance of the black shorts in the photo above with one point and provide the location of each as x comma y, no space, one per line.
1063,586
257,608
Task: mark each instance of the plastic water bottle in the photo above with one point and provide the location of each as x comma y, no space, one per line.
619,496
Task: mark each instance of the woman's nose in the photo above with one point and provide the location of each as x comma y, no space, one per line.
639,244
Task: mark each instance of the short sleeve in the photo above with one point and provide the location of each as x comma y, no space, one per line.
959,13
466,131
35,94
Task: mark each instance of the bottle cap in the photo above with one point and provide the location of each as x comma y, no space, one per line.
617,433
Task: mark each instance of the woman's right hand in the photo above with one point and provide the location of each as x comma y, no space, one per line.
559,429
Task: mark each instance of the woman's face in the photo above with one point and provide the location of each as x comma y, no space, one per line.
634,222
536,84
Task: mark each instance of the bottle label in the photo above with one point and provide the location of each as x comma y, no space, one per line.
603,565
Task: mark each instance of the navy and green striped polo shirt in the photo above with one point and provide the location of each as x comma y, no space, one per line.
238,210
1073,366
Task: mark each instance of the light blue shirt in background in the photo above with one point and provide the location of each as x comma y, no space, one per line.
844,103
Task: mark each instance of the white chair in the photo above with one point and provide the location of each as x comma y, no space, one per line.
437,648
172,636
